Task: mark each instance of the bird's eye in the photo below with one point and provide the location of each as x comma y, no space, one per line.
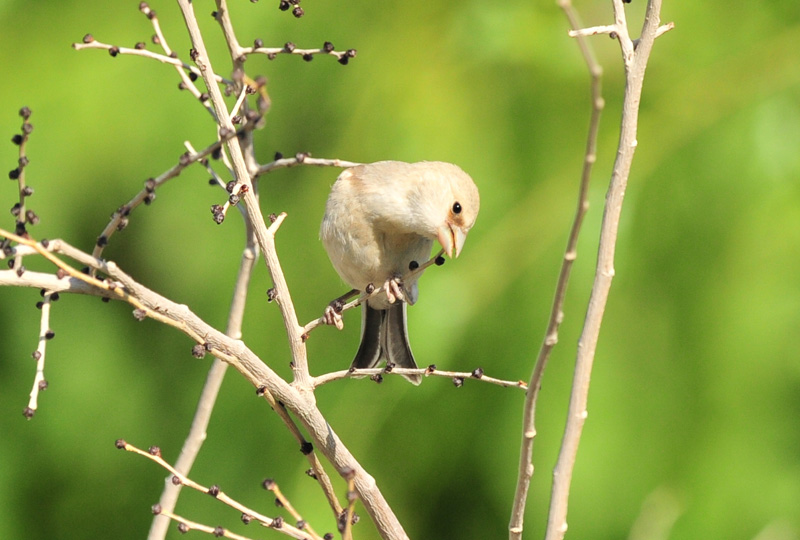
456,208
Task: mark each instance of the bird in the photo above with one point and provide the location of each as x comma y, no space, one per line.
381,221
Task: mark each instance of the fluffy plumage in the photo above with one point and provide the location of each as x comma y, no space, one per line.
378,219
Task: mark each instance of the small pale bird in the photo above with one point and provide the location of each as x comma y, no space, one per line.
380,223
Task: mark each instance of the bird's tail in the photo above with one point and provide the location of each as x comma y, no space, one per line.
384,337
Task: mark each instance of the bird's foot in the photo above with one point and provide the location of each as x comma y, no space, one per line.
333,314
394,290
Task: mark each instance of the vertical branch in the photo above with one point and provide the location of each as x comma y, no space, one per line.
265,237
526,468
208,396
635,56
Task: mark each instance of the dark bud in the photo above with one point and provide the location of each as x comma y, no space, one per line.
183,528
31,217
20,271
139,45
15,210
244,189
233,199
272,218
327,47
337,305
139,314
439,261
204,97
288,46
230,185
258,43
278,155
219,532
370,288
328,536
218,213
42,385
17,139
27,191
149,198
237,119
182,85
378,378
39,305
477,373
36,355
214,14
308,57
102,241
213,490
216,153
284,5
143,6
106,299
28,413
154,451
193,54
389,367
301,156
193,76
612,35
246,519
54,297
176,481
306,448
301,524
156,509
298,12
225,132
88,38
113,51
458,382
311,473
13,174
277,523
23,161
122,224
272,294
27,128
268,484
261,390
25,112
271,56
61,273
155,39
199,351
431,368
413,265
120,444
185,159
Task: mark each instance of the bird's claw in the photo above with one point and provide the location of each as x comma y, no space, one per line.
394,290
333,317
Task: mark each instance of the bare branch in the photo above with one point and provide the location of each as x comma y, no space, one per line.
526,468
635,61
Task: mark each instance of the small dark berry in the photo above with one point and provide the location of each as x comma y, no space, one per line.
17,139
327,47
14,174
308,57
413,265
113,51
214,490
298,12
306,448
439,261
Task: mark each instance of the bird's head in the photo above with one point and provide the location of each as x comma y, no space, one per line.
451,203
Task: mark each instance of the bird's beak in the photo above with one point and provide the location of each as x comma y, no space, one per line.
452,239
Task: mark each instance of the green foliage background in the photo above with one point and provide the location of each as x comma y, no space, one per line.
695,398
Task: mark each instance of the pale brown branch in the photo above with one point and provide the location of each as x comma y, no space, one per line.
526,468
458,377
635,59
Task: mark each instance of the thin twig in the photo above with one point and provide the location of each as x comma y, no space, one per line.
526,468
154,454
458,377
635,59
